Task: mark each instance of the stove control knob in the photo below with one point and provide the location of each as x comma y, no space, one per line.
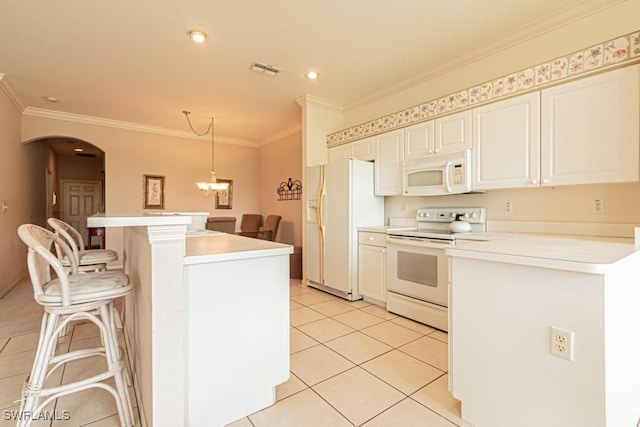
452,215
474,214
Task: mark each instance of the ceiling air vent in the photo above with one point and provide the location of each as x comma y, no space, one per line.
267,70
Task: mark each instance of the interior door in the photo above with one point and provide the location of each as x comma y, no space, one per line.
81,199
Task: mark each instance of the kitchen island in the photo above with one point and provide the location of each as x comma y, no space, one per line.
207,327
505,297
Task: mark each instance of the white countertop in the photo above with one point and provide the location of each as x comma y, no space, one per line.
583,254
226,247
383,228
137,220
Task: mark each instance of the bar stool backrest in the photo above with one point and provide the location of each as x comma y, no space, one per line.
40,260
69,234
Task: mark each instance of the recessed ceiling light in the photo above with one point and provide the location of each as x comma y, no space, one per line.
312,75
197,36
50,99
78,150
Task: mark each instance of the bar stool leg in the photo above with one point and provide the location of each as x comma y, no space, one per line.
35,381
116,364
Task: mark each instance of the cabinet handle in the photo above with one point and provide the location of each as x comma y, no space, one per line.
545,181
384,251
436,150
371,238
534,181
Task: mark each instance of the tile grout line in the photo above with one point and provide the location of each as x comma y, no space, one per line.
406,396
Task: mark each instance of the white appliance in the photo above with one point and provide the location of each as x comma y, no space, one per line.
417,267
437,175
339,198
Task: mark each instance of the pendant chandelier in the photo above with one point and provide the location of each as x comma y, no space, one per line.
212,185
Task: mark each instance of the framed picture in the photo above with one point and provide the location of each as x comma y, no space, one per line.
224,198
153,192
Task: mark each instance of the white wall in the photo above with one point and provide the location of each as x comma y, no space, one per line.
183,161
22,181
622,18
280,161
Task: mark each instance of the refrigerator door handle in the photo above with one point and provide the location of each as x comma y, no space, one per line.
320,222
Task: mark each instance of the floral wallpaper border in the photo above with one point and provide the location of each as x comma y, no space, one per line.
619,50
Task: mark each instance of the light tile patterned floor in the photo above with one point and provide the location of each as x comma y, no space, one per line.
355,364
92,408
352,364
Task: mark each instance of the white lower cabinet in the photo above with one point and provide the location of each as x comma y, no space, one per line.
372,266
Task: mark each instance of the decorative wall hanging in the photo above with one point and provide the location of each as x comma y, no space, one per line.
153,186
290,190
224,197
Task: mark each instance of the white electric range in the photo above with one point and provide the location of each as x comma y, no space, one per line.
417,268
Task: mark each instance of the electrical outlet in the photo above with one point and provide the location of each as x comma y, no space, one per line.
598,206
508,207
562,343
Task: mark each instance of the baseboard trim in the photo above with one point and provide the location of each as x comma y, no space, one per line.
12,285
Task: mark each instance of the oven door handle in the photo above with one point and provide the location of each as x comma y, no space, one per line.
419,243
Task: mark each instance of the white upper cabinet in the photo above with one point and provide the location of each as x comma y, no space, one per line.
361,150
389,150
453,133
506,143
340,152
590,129
419,140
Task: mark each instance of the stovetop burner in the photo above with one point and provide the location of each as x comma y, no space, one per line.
433,223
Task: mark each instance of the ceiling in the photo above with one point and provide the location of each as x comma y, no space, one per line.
132,61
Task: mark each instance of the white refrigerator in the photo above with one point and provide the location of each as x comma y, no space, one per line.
338,199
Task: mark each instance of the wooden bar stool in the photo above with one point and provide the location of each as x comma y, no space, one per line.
68,297
88,259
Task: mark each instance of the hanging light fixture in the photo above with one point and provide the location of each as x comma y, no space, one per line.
213,185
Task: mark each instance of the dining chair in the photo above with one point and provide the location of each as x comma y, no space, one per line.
270,229
250,225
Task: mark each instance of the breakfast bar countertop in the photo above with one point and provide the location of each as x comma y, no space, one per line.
226,247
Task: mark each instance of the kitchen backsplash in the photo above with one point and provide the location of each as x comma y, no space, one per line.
547,204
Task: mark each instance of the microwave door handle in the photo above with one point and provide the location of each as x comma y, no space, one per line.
447,169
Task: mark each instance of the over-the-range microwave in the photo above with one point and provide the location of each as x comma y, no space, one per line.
437,175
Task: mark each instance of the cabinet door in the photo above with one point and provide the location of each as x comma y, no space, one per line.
363,149
453,133
506,143
388,163
590,129
340,152
372,272
419,140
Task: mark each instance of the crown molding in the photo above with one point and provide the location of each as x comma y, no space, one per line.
117,124
281,135
307,99
535,29
12,94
